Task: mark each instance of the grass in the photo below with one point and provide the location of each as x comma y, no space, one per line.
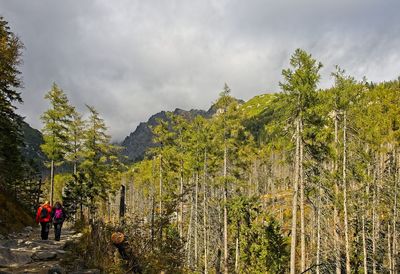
257,104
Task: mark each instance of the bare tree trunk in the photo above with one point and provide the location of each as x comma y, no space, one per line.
364,245
161,186
389,249
196,220
257,190
134,195
375,217
189,233
225,213
319,228
152,221
205,213
346,225
374,232
237,251
294,205
51,182
122,206
181,204
394,237
302,201
335,201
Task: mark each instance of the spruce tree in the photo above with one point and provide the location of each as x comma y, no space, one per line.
10,122
96,154
299,94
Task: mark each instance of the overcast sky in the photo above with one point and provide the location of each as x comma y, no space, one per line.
133,58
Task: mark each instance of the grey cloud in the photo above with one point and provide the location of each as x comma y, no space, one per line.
131,59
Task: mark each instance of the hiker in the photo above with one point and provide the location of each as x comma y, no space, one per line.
43,216
58,215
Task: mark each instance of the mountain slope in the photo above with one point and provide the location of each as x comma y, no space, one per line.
139,141
258,104
33,138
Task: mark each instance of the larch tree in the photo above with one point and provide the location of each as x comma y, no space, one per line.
75,137
56,122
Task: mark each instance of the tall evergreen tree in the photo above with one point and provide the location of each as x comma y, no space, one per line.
96,154
56,122
75,140
299,92
10,122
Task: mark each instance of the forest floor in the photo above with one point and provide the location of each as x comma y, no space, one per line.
25,252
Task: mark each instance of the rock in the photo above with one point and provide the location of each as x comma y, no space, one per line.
87,271
61,251
10,243
36,248
56,270
79,235
44,255
2,237
20,241
28,229
13,259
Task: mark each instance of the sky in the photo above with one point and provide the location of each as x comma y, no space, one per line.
132,58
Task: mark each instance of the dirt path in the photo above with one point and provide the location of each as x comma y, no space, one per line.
25,252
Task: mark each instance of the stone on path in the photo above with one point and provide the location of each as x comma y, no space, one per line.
25,253
12,259
87,271
56,270
28,229
44,255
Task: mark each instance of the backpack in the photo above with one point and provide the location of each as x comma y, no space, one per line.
58,214
44,213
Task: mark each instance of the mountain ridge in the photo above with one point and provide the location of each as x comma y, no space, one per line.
138,141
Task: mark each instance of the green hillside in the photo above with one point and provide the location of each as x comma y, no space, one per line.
257,104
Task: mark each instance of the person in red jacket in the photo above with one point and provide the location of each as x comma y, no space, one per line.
43,216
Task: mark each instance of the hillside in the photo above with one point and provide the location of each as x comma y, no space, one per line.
33,138
14,216
257,104
136,144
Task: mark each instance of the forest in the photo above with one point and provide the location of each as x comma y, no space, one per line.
304,180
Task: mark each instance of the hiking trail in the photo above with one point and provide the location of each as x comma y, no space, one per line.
25,252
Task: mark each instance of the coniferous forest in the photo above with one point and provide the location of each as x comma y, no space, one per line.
302,180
